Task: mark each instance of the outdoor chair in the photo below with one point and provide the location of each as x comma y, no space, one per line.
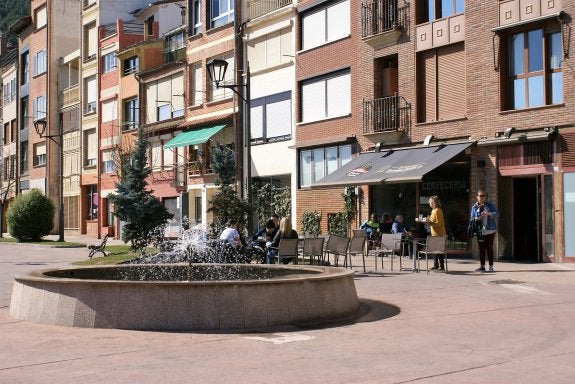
329,246
98,247
434,246
312,248
359,232
357,247
340,249
287,249
390,244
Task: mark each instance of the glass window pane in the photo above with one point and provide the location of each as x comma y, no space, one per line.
535,47
446,8
318,164
331,159
555,50
516,48
536,91
569,212
548,211
459,6
313,101
305,168
519,94
557,88
430,10
344,154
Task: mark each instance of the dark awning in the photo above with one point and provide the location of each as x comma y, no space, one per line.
392,166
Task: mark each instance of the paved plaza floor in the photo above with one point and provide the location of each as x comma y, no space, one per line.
512,326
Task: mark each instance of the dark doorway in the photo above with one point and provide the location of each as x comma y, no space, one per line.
525,219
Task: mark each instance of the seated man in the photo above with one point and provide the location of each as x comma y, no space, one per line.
371,226
231,233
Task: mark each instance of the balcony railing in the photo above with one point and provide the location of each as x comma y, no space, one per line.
379,16
387,114
71,95
257,8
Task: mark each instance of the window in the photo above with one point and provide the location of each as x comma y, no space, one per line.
91,202
326,97
196,84
198,209
325,24
24,116
221,12
40,63
90,95
315,164
110,213
90,41
109,62
195,17
271,117
108,164
25,68
429,10
224,93
270,50
174,48
9,91
39,108
131,116
109,110
90,148
40,18
40,154
441,92
131,65
24,157
165,97
535,77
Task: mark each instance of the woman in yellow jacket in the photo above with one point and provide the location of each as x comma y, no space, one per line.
437,226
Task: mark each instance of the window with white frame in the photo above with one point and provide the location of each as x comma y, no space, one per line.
221,12
165,97
156,155
271,117
168,157
316,163
325,24
90,94
195,15
196,84
109,62
39,154
131,114
270,50
39,107
224,93
90,41
40,63
41,18
108,163
109,110
90,148
326,96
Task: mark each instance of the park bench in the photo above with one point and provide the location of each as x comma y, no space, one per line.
98,248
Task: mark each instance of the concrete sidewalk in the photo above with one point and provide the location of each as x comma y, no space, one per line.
514,325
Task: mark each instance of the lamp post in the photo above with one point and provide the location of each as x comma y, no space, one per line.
217,72
40,127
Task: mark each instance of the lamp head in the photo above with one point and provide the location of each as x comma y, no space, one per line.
40,127
217,70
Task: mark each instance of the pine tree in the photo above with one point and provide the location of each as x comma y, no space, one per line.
135,204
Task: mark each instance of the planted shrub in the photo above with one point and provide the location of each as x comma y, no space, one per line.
30,216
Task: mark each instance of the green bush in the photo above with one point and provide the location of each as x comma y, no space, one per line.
30,216
310,222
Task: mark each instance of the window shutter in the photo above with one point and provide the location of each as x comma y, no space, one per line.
91,94
197,86
313,29
40,149
41,17
92,40
451,82
177,95
313,101
568,149
338,19
151,97
92,147
273,49
257,54
278,118
109,110
426,86
286,47
338,95
257,122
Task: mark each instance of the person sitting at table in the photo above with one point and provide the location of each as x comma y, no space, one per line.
285,232
398,226
371,226
266,233
386,223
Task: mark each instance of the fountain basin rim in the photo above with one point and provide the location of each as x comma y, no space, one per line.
323,274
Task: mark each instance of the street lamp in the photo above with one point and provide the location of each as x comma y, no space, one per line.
40,127
217,72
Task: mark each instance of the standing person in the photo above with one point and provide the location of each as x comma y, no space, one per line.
486,212
285,232
437,227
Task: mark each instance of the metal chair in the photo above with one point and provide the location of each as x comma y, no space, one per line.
287,249
340,248
359,232
356,247
330,243
435,246
313,247
389,246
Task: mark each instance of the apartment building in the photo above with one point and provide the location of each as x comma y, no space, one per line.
448,97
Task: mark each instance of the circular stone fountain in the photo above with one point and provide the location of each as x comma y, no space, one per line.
175,297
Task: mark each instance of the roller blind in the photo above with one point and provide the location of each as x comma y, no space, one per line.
92,40
177,95
151,98
451,94
40,149
92,145
109,110
91,90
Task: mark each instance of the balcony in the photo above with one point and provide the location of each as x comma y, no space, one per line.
388,114
257,8
70,96
382,22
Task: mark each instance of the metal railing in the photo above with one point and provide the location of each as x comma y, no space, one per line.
379,16
257,8
133,28
392,113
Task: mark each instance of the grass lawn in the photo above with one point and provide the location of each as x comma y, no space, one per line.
51,243
117,254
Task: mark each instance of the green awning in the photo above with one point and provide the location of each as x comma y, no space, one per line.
193,137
